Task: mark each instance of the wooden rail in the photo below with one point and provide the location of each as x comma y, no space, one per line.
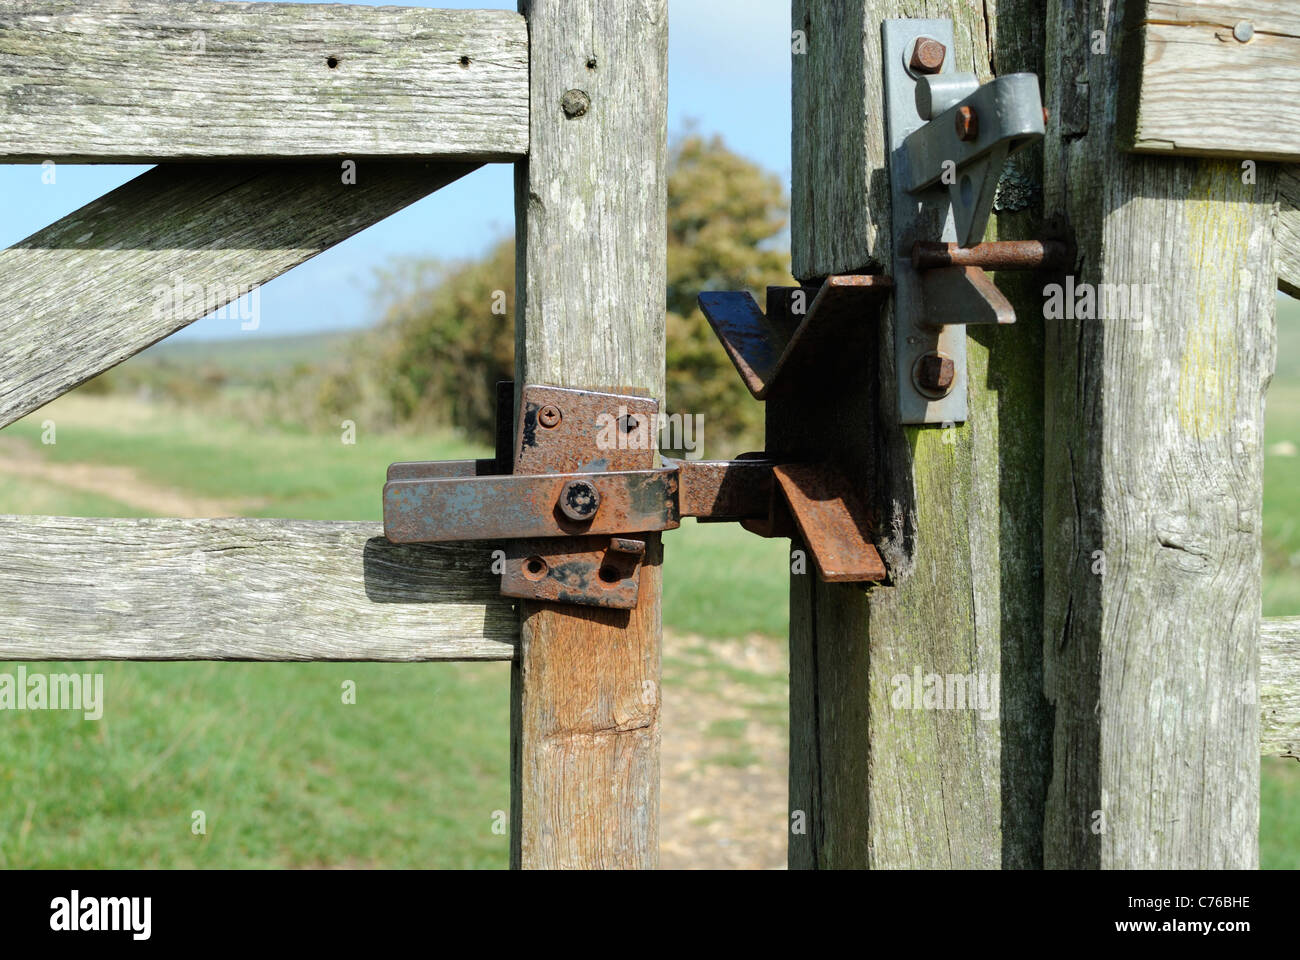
145,81
167,248
243,590
1210,78
1286,234
282,590
1279,686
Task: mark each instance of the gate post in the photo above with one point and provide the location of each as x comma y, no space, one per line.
1154,446
590,209
959,506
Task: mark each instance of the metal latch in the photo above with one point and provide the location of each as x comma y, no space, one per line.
574,489
948,138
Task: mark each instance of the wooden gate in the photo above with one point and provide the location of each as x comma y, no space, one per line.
1091,535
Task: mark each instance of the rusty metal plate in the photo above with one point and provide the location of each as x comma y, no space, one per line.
832,522
963,295
593,571
842,300
762,345
547,505
582,431
440,469
753,340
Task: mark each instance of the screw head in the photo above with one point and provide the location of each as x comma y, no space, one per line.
549,416
968,123
579,500
1243,31
927,55
935,373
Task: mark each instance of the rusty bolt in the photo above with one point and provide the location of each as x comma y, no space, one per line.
968,123
935,373
549,415
575,103
579,500
927,55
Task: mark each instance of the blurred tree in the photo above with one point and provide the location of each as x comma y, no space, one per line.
725,215
447,334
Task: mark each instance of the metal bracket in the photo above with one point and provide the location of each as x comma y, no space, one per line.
583,494
948,138
764,345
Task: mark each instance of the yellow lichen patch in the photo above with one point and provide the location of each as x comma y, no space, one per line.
1217,221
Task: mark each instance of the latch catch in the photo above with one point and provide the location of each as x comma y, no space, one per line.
948,138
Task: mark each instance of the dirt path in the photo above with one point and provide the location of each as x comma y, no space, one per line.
723,797
19,458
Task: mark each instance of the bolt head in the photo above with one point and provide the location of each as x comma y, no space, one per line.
575,103
549,415
935,373
579,500
968,123
927,55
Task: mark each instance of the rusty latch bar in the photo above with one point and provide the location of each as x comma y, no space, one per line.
575,531
544,505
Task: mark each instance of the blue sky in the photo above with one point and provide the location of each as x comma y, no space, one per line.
728,73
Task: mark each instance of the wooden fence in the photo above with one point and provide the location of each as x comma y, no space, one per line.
1085,439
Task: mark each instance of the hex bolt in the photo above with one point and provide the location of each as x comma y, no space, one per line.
549,416
579,500
935,373
968,123
927,55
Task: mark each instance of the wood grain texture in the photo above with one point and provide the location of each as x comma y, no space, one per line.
1152,521
101,284
1279,686
957,508
243,590
592,260
1286,232
1192,88
145,81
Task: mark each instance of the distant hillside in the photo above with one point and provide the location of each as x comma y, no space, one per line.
250,356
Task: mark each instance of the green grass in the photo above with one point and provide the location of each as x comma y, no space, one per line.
1281,535
1279,824
286,774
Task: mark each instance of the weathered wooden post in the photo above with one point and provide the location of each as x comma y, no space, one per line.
590,219
879,786
1155,427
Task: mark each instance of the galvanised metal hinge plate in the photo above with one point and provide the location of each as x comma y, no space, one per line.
948,138
576,493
